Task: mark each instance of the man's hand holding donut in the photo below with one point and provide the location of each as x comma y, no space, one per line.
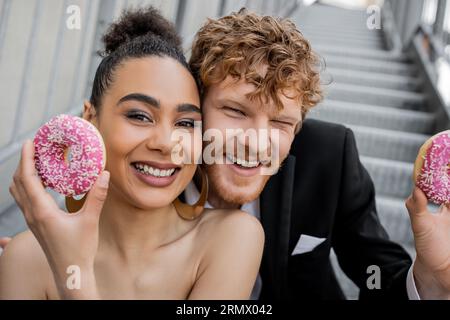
432,240
66,239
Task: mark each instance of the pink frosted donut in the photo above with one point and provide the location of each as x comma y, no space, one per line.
69,154
432,168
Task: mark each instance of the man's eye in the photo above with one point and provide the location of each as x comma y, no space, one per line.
283,124
234,110
139,116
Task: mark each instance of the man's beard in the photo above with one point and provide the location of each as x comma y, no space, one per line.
222,188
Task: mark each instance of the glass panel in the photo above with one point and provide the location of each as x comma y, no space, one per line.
447,17
429,11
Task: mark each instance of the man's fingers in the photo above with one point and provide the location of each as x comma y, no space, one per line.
97,195
417,203
445,209
4,241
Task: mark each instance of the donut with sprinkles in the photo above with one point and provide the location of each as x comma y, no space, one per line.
432,168
69,154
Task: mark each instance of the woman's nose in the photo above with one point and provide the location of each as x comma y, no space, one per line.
161,139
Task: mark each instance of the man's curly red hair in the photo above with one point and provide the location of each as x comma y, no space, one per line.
241,43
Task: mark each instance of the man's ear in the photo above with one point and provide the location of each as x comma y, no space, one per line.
89,112
298,127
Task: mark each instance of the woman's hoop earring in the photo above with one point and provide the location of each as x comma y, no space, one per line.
191,212
74,205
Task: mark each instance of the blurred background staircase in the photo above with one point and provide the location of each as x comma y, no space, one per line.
378,94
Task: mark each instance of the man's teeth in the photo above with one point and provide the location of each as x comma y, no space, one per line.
145,169
242,162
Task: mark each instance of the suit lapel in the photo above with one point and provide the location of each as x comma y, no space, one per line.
276,203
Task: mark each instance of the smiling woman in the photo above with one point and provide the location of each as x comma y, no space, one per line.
129,241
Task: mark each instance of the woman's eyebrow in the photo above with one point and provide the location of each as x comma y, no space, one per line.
187,107
149,100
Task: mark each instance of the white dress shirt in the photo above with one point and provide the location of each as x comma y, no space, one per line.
411,285
192,194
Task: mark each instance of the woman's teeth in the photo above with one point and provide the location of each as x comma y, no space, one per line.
242,162
145,169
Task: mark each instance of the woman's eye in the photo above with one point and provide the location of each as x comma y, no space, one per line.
234,110
187,123
139,116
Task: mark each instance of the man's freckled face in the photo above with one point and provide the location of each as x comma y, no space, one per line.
137,129
226,106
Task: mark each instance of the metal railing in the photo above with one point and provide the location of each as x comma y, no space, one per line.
431,15
423,31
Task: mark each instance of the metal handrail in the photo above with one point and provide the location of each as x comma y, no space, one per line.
426,50
436,44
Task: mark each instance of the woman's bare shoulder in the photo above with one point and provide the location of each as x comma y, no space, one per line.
224,225
23,268
24,246
231,243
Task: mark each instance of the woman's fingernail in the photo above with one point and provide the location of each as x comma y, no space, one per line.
104,179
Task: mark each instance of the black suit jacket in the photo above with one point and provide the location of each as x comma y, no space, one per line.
323,190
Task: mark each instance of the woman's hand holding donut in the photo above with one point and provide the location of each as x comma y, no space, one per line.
432,240
4,241
67,239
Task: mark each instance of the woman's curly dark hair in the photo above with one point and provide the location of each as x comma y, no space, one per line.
138,33
240,43
141,22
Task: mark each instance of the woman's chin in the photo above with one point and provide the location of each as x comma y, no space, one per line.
145,199
146,205
155,198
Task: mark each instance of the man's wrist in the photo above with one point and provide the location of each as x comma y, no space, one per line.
427,286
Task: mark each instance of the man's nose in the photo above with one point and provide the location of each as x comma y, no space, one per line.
257,137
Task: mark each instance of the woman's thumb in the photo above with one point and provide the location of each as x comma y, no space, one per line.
97,195
4,241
